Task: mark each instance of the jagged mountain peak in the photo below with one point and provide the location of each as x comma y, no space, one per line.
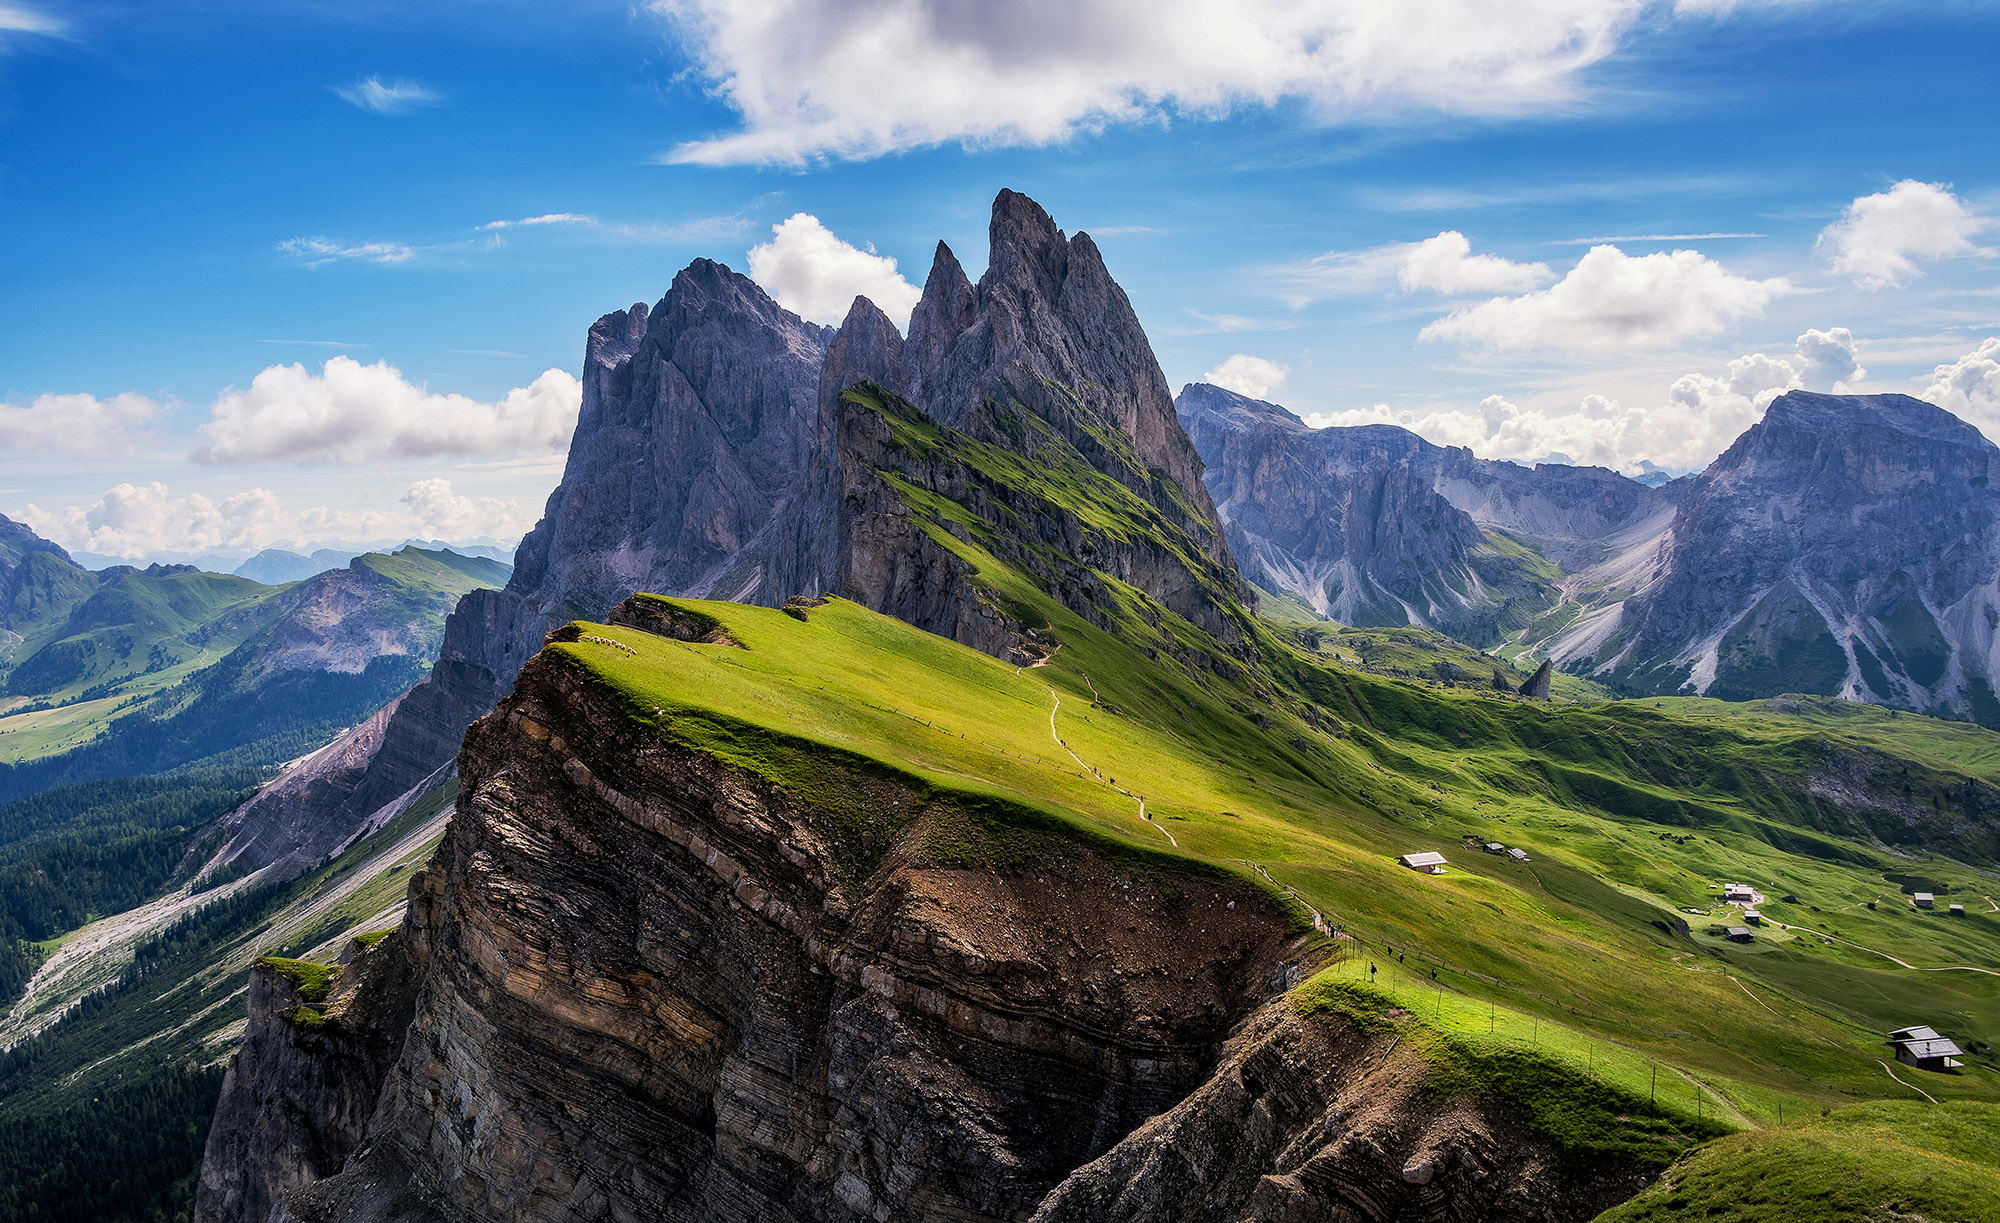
1234,410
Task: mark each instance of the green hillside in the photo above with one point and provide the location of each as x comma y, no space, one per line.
159,668
1602,953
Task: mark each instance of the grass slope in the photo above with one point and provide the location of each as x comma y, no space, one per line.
1867,1163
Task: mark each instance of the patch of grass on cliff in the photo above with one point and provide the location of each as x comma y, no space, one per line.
1589,1103
1877,1161
312,980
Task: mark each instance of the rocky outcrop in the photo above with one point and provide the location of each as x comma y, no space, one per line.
1844,545
1043,359
1309,1120
300,1089
307,813
653,985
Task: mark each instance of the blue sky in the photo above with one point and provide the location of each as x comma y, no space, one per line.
218,221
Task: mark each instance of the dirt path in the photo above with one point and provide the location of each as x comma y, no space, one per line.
1912,1086
1754,998
1101,778
1885,955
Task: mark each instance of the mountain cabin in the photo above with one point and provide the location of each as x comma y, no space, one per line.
1924,900
1923,1048
1431,863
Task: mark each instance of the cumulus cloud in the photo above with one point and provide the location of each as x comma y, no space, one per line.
320,251
816,276
1612,300
372,93
444,513
1880,237
1446,264
1701,414
353,413
1827,360
1970,387
817,79
1442,264
137,521
75,424
1248,375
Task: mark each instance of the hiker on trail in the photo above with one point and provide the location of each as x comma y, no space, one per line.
1399,957
1371,970
1434,974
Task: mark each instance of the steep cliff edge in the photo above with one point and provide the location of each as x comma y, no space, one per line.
659,985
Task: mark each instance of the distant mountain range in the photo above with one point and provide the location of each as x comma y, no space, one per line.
290,564
1843,546
127,670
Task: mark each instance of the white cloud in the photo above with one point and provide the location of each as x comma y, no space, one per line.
1701,414
372,93
816,276
20,19
1611,299
318,252
860,78
354,413
445,514
1446,264
547,218
1970,387
1880,237
134,522
1248,375
1828,360
75,424
1443,264
139,520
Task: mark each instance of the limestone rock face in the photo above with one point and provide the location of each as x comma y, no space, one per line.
652,986
1844,545
1045,348
296,1098
1372,525
1306,1121
697,420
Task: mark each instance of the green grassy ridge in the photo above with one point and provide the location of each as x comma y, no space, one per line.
1867,1162
825,752
1588,1107
1591,958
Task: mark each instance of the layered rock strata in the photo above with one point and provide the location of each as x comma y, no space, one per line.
656,986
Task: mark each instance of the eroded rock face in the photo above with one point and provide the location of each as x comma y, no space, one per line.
1372,525
654,987
1307,1120
1845,545
298,1095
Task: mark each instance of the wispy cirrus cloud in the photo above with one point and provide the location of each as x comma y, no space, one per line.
21,19
373,94
319,251
547,218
